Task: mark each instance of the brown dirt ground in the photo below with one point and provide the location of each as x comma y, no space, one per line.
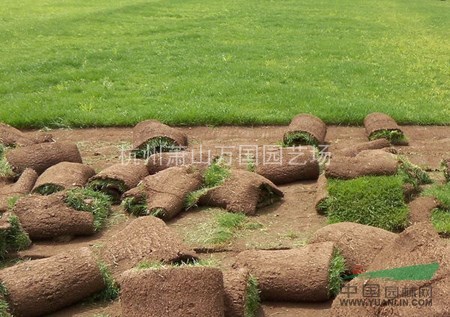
286,224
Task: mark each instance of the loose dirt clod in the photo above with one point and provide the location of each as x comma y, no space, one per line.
366,163
41,156
163,194
161,161
10,136
321,195
39,287
305,129
242,192
291,275
241,293
421,209
353,151
144,239
152,136
179,292
379,125
359,244
302,166
117,179
62,176
22,187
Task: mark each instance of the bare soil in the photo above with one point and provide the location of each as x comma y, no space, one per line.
285,224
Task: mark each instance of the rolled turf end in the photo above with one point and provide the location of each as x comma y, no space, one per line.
396,137
299,138
112,187
412,174
138,207
337,269
111,290
156,145
48,189
13,238
253,300
4,306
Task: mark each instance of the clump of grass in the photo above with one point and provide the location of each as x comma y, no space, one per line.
373,200
5,168
445,168
146,265
412,174
441,193
13,238
253,300
394,136
85,199
111,290
12,202
323,206
440,219
156,145
251,164
48,189
299,138
4,306
112,187
138,206
336,271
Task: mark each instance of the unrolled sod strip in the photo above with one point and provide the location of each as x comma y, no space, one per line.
118,178
354,150
179,292
152,136
322,195
297,275
163,194
241,293
41,156
22,187
244,192
144,239
305,129
62,176
39,287
293,166
380,125
10,136
161,161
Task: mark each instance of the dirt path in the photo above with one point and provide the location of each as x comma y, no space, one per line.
286,224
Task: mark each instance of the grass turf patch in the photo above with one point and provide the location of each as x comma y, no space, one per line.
374,200
48,189
336,271
156,145
252,300
111,290
441,193
84,199
13,238
393,136
112,187
299,138
440,217
5,168
412,174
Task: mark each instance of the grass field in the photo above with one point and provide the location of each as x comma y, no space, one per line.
102,63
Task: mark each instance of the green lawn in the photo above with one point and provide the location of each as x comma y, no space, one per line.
85,63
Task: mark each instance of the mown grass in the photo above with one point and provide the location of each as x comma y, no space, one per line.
222,62
375,200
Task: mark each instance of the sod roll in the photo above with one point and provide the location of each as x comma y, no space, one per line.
161,161
175,292
310,124
379,122
150,129
297,275
235,290
41,156
40,287
10,136
22,187
354,150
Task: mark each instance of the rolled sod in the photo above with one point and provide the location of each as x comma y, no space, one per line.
354,150
322,195
359,244
41,156
242,191
175,292
296,275
152,136
40,287
366,163
12,236
421,209
305,129
146,239
163,194
379,125
292,168
161,161
446,168
64,175
10,136
23,186
117,179
241,293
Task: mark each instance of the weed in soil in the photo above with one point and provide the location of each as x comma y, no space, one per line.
336,271
374,200
412,174
85,199
156,145
393,136
48,189
299,138
14,238
253,300
112,187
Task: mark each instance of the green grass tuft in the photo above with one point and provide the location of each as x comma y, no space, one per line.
440,219
393,136
13,239
441,193
375,200
112,187
156,265
5,168
336,271
299,138
192,198
111,290
48,189
156,145
252,300
12,202
412,174
136,206
85,199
